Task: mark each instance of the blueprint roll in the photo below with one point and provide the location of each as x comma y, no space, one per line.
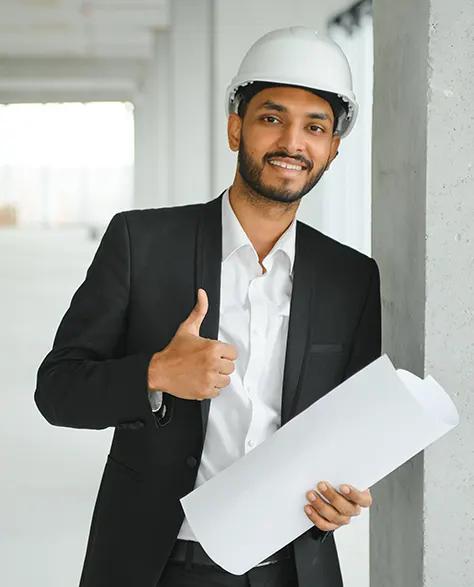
382,415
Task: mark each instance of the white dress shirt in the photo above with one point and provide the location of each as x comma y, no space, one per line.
254,314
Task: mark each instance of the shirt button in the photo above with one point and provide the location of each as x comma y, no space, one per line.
251,443
191,462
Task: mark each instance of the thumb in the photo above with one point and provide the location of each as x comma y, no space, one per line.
193,322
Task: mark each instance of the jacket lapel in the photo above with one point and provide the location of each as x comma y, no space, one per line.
298,327
208,277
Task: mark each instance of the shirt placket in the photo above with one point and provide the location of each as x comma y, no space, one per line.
257,338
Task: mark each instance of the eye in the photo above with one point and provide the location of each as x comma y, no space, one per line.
270,119
315,128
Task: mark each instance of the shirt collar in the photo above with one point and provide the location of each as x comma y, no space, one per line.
234,236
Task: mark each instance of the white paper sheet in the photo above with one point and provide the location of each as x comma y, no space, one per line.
357,434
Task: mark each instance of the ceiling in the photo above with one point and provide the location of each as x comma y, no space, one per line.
58,49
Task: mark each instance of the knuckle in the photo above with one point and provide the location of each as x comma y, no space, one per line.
323,508
216,351
323,525
208,360
346,512
208,380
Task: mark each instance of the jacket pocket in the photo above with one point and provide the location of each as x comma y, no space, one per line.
122,469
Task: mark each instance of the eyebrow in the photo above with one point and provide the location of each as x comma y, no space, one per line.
269,105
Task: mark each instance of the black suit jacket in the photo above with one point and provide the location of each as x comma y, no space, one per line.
141,285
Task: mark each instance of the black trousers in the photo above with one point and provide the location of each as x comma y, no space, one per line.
278,574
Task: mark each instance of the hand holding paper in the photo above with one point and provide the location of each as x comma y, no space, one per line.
385,417
341,508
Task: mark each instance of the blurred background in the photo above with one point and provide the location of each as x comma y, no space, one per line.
108,105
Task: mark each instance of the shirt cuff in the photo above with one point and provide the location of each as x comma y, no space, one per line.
156,400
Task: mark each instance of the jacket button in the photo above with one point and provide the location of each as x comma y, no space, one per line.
191,462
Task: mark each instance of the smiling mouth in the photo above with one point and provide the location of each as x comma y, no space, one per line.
291,167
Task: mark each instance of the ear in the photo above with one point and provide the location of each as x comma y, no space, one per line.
234,131
336,141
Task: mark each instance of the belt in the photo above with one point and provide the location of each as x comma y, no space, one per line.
190,552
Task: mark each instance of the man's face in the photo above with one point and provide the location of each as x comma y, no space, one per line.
283,127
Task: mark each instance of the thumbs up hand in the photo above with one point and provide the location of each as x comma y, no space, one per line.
191,367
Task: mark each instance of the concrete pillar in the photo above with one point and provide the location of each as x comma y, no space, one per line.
173,122
422,530
191,101
152,131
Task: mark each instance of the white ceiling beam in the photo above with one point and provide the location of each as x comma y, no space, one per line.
41,95
75,46
51,18
125,36
69,84
64,68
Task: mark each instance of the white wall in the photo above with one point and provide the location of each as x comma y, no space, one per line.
347,193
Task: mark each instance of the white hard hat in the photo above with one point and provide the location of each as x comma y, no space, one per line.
298,56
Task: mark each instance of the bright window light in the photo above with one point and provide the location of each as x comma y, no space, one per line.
66,163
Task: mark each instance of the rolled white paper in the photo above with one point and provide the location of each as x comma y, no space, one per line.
357,434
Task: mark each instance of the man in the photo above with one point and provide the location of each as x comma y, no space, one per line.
283,315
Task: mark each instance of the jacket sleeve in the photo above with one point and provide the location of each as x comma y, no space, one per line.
367,345
86,381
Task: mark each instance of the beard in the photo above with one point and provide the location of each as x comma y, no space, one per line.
251,173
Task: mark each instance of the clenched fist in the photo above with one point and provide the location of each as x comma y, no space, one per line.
191,367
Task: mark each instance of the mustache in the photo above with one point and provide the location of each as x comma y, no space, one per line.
299,158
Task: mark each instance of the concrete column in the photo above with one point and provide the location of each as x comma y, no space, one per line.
191,101
173,112
422,530
152,131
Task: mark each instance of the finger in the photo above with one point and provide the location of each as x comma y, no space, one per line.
343,505
227,351
226,367
327,510
193,322
221,381
212,393
361,498
319,521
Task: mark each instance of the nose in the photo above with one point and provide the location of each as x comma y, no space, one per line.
292,139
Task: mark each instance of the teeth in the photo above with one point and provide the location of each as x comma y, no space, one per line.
286,165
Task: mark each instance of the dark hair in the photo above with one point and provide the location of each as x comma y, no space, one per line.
246,93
